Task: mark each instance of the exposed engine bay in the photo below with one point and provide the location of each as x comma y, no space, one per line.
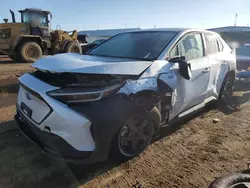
79,80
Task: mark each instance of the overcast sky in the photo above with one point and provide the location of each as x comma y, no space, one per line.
108,14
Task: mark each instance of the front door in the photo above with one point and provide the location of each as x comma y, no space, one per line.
191,92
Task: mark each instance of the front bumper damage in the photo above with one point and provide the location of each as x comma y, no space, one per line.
57,121
81,133
91,127
49,142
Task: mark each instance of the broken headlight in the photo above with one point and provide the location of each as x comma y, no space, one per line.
77,95
4,33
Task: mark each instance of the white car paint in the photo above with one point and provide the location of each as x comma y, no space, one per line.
64,122
77,63
207,72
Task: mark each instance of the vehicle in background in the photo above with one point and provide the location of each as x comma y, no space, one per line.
243,62
118,96
87,47
29,40
235,180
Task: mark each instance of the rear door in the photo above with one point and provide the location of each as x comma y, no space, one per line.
218,63
192,92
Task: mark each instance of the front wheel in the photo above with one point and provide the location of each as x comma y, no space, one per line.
29,52
73,47
136,134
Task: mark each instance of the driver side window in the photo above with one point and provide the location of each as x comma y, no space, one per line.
190,46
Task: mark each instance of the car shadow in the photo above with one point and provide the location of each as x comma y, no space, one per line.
23,164
5,60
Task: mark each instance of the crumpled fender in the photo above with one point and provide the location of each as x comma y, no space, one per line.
148,80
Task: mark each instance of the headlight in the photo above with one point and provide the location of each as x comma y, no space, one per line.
4,33
77,95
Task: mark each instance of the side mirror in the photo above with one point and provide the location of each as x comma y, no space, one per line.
184,67
176,59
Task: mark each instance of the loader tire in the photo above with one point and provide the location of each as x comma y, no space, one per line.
73,47
30,52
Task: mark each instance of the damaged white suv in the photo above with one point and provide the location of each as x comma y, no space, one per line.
118,95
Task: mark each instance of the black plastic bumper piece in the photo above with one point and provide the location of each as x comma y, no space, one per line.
50,143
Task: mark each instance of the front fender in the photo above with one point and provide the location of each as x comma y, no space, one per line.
19,39
135,86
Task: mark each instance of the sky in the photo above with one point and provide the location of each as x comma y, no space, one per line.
111,14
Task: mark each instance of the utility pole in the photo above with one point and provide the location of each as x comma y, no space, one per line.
236,15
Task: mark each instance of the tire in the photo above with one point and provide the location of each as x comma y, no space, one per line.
73,47
29,52
136,131
231,181
226,90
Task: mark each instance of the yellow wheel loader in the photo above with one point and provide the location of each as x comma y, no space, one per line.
31,38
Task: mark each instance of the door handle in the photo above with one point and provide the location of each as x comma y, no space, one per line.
207,69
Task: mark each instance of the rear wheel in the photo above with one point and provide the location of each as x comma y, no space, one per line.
136,134
73,47
30,52
226,89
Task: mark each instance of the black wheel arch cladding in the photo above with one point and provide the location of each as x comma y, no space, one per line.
109,114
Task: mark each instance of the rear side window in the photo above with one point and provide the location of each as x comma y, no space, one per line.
221,47
211,44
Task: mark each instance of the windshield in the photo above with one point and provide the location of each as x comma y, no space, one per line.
35,19
137,45
98,41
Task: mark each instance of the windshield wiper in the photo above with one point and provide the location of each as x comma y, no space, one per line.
135,58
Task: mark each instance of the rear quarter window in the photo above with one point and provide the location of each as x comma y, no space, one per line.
212,46
221,47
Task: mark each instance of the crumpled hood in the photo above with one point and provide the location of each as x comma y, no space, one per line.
77,63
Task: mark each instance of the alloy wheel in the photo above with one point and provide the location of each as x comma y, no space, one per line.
135,136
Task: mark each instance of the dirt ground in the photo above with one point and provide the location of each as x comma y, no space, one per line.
191,153
188,154
10,69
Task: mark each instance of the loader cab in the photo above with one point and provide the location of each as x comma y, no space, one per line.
38,21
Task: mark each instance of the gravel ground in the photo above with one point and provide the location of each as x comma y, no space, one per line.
191,153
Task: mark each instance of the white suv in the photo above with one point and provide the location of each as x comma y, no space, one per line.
118,95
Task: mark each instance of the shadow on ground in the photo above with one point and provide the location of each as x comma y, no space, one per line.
6,60
23,164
